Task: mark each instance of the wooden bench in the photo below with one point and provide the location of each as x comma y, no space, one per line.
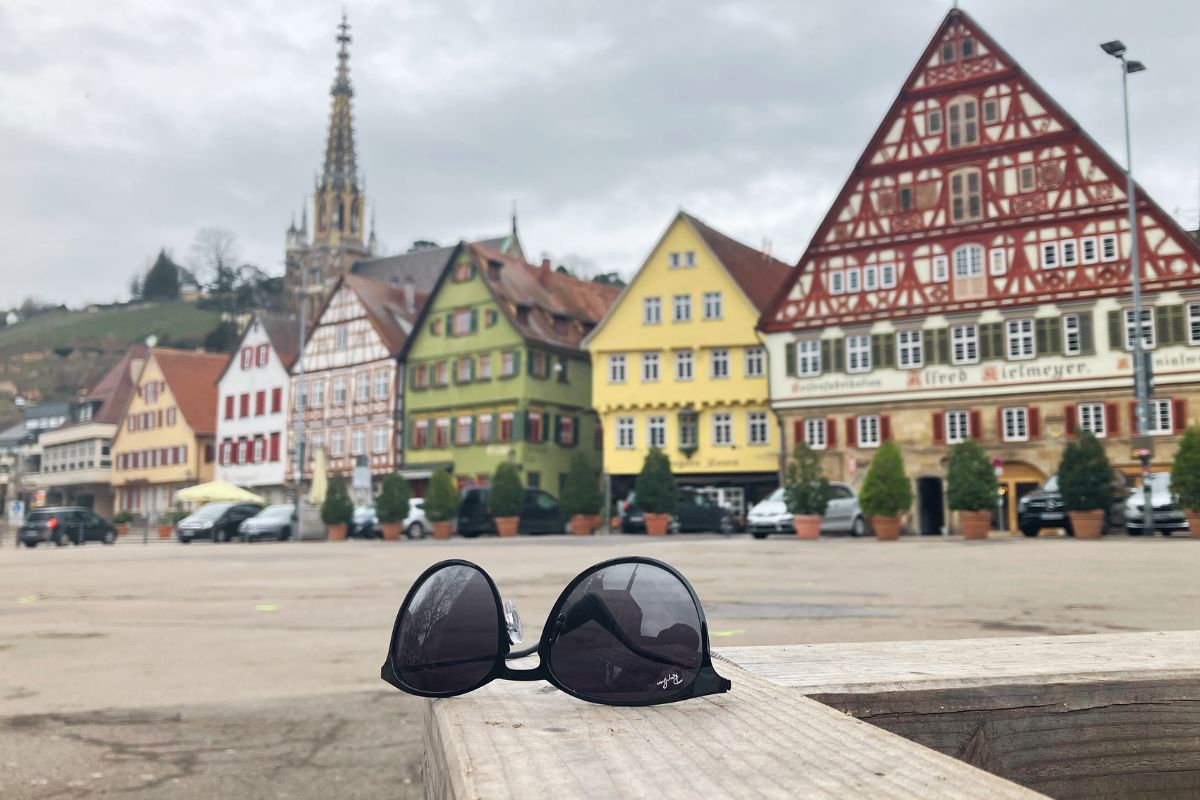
1068,716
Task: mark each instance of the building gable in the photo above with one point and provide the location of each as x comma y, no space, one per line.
344,334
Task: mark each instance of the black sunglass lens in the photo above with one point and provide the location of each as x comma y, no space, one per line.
449,636
628,632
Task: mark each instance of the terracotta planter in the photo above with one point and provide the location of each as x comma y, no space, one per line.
581,524
336,532
808,526
507,526
975,524
657,524
594,521
122,528
1087,524
391,530
886,528
1193,521
443,530
165,531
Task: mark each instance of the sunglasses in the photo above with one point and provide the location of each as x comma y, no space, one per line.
626,632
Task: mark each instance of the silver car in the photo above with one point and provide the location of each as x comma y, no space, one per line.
842,515
1168,516
275,522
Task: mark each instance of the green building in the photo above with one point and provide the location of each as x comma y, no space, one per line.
496,370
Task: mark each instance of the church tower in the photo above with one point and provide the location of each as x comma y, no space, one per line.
338,202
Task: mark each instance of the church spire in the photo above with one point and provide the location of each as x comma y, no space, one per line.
341,168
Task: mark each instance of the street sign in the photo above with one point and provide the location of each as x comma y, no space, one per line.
16,512
1143,446
360,479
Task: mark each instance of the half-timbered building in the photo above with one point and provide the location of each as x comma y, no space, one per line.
972,279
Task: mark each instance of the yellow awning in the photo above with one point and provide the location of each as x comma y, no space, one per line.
218,492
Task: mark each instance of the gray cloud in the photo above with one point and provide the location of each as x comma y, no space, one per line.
129,125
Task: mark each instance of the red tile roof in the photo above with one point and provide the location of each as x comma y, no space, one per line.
113,391
758,274
388,308
284,333
192,378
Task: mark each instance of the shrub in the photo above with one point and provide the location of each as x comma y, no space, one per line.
886,490
655,489
392,504
806,490
581,494
441,499
172,516
1084,475
122,518
971,479
506,496
338,508
1185,474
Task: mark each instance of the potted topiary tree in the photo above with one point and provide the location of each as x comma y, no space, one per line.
806,492
506,498
338,508
1085,480
121,522
441,504
167,521
886,493
1185,478
391,507
581,498
655,492
972,488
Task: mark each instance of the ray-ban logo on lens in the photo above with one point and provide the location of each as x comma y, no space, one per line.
671,680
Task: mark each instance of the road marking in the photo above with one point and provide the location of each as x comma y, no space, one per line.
266,607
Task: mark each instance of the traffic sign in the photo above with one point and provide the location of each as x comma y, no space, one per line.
16,512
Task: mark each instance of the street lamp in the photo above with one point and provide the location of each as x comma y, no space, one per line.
1141,376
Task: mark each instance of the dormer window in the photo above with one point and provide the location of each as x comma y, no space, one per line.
968,48
949,52
560,323
523,315
962,116
494,268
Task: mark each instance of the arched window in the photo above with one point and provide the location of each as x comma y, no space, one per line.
969,280
966,199
962,122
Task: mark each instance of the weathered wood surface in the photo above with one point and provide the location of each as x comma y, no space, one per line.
522,740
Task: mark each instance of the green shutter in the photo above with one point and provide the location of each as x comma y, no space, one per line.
516,362
876,350
1054,335
1177,326
887,350
826,356
1116,341
789,357
556,427
450,324
564,372
474,429
991,341
1162,325
943,345
1042,335
1087,338
474,320
575,422
839,355
518,425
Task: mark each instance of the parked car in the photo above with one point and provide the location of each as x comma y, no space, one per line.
1168,516
217,521
695,512
1044,507
366,524
540,513
65,525
275,522
842,515
415,524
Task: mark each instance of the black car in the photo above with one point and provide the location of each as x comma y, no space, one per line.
217,521
1044,507
66,525
695,512
540,513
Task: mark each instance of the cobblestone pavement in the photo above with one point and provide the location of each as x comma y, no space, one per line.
252,670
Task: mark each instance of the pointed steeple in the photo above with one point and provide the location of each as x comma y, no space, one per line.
341,168
372,242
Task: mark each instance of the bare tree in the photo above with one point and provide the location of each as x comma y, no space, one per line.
215,257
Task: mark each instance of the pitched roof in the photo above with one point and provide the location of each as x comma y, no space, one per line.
423,266
113,391
282,330
545,295
388,307
758,274
192,378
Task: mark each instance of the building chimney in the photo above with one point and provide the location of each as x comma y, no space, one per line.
410,293
544,272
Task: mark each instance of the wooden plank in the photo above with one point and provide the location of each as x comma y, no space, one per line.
529,740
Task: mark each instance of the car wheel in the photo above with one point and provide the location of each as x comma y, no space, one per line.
1165,533
414,531
285,534
758,535
109,537
1031,532
859,528
726,525
185,540
31,544
218,536
61,541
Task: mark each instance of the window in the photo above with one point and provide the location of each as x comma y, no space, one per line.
991,111
814,433
508,364
997,261
650,367
808,357
968,47
462,322
464,370
965,198
337,444
536,427
379,439
949,52
259,452
226,452
1108,247
757,431
1015,422
722,428
963,125
887,276
1161,420
858,353
484,370
957,427
941,269
682,307
906,198
1020,339
683,365
420,433
463,430
616,369
870,278
1091,418
339,390
689,258
756,362
720,363
506,426
712,305
964,344
934,122
673,260
441,432
358,442
382,384
1026,179
242,446
652,311
1147,328
247,362
908,349
853,277
341,335
1072,335
1070,253
688,430
1193,323
656,431
483,428
837,282
1049,255
362,387
1087,248
868,430
626,436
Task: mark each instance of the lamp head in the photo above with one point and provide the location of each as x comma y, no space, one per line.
1134,66
1115,48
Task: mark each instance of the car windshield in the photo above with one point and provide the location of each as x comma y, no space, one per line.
39,516
364,511
276,511
775,496
1051,484
212,511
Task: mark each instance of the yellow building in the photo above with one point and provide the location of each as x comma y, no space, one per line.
165,441
676,364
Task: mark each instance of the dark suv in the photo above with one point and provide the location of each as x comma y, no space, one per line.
695,512
66,525
540,513
1044,507
217,521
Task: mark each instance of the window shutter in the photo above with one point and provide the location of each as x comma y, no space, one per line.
998,340
553,425
449,324
826,356
474,320
985,342
941,345
851,432
976,421
1112,419
274,446
1042,335
1115,340
1179,414
1162,325
798,431
839,355
1071,418
516,362
575,421
1178,325
885,428
789,354
1054,335
530,363
876,350
1087,338
276,400
887,350
939,427
830,432
1000,424
1034,421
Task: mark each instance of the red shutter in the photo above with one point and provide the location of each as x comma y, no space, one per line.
245,405
939,427
276,400
830,432
797,432
885,428
159,418
274,446
228,406
260,403
1071,418
1133,428
851,432
1112,419
1179,414
976,421
1035,422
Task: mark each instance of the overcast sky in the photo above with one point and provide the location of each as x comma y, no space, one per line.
128,125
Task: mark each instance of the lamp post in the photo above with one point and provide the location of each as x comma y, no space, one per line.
1141,376
298,430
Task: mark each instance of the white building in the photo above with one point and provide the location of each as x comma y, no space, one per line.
252,419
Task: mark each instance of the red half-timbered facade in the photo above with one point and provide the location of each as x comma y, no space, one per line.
975,268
